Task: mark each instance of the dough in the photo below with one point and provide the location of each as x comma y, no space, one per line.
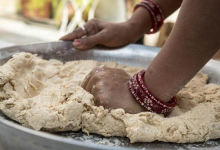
46,95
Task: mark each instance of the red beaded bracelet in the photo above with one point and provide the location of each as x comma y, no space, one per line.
155,12
144,96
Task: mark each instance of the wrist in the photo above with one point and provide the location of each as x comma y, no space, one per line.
154,11
140,23
141,92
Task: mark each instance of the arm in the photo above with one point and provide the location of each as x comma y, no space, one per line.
115,35
193,41
141,18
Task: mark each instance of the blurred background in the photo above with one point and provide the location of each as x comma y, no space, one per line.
31,21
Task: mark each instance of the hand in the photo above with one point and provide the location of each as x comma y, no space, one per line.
110,89
103,33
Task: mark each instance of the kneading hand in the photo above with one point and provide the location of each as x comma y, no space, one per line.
110,89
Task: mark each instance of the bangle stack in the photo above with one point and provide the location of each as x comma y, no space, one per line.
144,96
155,12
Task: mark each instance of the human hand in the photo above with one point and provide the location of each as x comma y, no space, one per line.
110,89
103,33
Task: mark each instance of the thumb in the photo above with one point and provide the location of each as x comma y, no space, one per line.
88,42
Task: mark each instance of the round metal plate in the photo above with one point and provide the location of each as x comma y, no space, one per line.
14,136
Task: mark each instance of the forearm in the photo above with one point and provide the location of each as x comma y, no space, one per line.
193,41
141,21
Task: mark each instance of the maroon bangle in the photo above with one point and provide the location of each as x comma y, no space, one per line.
155,13
144,96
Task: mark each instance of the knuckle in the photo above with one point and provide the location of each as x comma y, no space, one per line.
94,25
92,72
102,73
98,77
99,72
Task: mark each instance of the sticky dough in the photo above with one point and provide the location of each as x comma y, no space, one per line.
46,95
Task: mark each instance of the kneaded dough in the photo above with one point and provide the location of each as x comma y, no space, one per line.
46,95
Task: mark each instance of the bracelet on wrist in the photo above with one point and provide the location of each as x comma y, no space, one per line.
144,96
155,13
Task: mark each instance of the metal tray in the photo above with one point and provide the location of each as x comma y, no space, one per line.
16,137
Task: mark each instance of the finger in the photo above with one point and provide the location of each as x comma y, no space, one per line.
85,81
77,33
88,78
91,27
91,85
97,96
89,42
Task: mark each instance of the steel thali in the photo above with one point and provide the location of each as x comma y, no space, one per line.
16,137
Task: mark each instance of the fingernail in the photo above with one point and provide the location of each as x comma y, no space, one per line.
77,43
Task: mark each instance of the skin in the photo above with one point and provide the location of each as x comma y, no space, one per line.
108,85
193,41
190,46
118,34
